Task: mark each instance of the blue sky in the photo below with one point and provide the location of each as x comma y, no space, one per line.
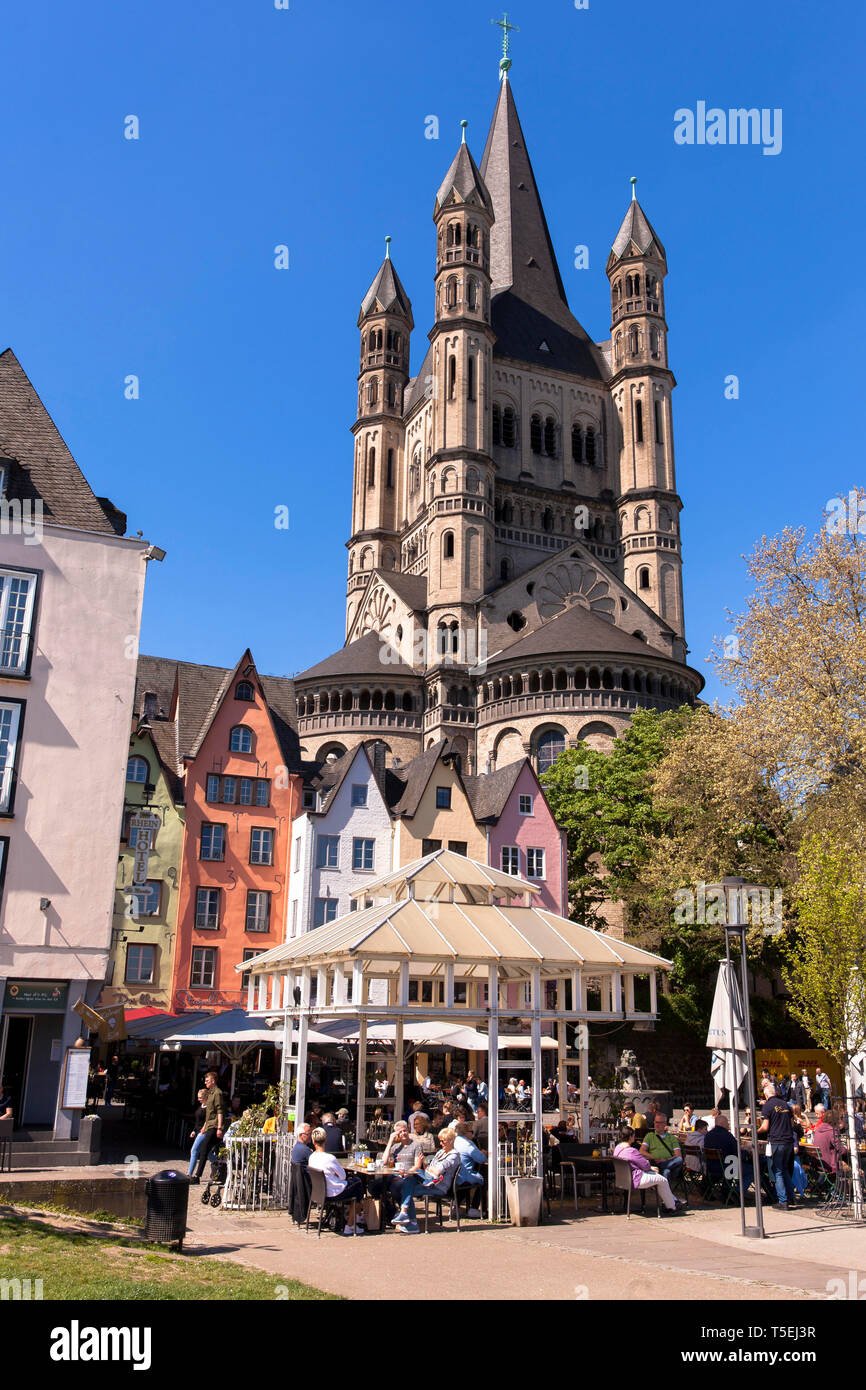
305,127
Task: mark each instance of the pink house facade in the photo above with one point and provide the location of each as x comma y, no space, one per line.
525,839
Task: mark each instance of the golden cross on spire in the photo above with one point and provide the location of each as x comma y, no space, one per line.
507,30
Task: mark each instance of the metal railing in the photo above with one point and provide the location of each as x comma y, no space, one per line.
259,1170
516,1160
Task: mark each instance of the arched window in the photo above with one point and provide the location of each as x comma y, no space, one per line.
617,348
451,293
371,468
547,520
577,443
628,287
638,422
637,284
590,445
654,342
244,691
497,424
550,437
452,377
643,578
455,638
505,569
548,749
392,393
137,770
471,480
389,471
509,427
448,546
535,434
472,293
633,340
507,513
470,378
241,739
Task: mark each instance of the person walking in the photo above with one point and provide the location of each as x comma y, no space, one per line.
197,1132
214,1122
823,1083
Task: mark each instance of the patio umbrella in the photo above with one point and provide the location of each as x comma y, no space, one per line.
232,1033
730,1059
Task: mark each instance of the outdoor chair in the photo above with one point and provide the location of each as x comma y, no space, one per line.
693,1168
623,1181
714,1177
319,1198
439,1199
821,1180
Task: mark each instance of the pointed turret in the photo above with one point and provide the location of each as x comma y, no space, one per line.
636,236
522,258
463,182
386,295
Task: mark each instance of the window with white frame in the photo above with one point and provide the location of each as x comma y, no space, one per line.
140,961
263,791
258,910
241,739
261,846
324,910
294,916
203,970
510,859
250,951
207,909
17,593
362,854
296,856
10,722
525,805
213,842
230,788
535,863
137,770
212,790
327,851
245,791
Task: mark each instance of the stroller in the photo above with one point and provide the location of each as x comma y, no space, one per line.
212,1191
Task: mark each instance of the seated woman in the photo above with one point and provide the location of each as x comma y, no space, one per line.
472,1173
337,1182
642,1174
687,1123
406,1154
422,1134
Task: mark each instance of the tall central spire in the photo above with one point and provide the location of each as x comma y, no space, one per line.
521,253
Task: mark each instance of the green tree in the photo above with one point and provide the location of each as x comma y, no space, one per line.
825,967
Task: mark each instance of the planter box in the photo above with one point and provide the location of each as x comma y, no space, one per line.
524,1200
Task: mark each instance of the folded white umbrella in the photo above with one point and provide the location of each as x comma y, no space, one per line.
730,1060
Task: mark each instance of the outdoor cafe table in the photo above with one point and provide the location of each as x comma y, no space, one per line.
594,1167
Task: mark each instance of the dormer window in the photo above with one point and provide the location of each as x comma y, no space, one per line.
244,691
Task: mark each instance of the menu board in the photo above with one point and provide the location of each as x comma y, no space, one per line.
76,1070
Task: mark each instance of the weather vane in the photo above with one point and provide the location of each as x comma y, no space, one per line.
507,29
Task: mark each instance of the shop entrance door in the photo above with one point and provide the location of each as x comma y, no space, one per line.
16,1058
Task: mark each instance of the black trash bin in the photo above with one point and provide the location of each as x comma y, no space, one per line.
167,1201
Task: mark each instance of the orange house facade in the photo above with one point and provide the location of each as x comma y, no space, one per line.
241,800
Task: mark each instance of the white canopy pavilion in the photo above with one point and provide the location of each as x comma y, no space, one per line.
449,919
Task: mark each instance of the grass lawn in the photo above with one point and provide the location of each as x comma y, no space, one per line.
73,1266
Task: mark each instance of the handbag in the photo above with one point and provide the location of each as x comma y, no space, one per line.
372,1208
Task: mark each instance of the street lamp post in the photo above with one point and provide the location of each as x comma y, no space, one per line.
733,890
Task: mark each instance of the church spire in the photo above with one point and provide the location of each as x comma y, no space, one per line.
521,252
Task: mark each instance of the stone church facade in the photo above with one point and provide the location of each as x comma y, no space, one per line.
515,569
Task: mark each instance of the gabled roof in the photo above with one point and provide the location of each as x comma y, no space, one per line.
386,295
576,629
521,328
362,657
164,740
636,236
463,182
489,792
411,779
41,464
411,588
442,908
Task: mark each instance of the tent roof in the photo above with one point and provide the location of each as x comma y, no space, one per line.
234,1025
470,929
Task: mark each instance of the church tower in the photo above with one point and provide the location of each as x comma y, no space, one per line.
641,388
385,321
460,470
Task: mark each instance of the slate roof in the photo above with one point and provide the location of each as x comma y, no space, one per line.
41,464
411,779
362,657
489,792
577,629
411,588
464,179
521,328
636,227
416,389
388,291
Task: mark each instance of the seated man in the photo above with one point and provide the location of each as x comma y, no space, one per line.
481,1125
299,1190
302,1148
699,1134
405,1152
337,1182
722,1140
642,1176
472,1163
438,1176
663,1149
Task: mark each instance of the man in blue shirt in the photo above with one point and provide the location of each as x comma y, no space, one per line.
473,1163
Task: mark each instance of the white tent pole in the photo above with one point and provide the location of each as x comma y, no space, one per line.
537,1085
303,1028
493,1095
360,1112
398,1070
583,1034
